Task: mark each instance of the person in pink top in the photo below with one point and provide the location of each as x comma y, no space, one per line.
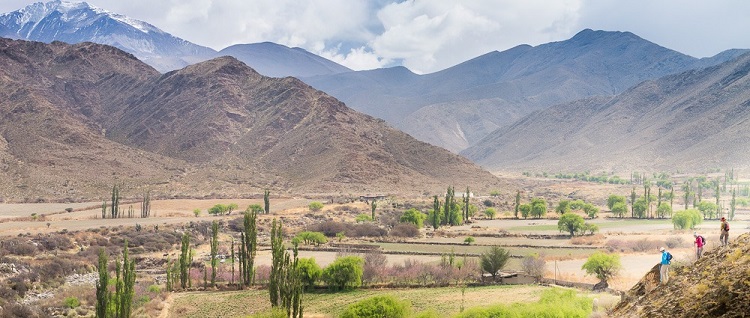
699,243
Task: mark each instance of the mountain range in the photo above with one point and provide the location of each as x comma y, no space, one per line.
78,118
77,22
696,120
455,108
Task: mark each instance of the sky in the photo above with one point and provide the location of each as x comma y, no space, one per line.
430,35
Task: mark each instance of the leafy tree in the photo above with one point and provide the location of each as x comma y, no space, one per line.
619,209
231,207
197,212
614,199
277,260
490,213
686,219
493,260
413,216
590,210
604,266
570,223
309,271
373,206
435,213
632,203
640,207
378,306
345,272
255,208
218,209
538,207
518,204
733,203
663,210
708,209
214,251
563,207
315,206
115,208
525,210
308,238
577,205
102,289
248,246
185,260
687,193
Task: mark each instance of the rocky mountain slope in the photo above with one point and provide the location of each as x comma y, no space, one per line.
76,22
715,286
456,107
92,115
693,120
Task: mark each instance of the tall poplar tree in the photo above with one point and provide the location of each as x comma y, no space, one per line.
214,251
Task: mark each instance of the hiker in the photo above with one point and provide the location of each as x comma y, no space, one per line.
724,237
699,243
666,259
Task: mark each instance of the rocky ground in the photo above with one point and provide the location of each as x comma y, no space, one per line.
718,285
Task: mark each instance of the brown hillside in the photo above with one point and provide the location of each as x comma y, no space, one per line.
87,115
718,285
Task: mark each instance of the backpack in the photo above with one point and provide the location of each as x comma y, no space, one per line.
726,226
669,257
703,239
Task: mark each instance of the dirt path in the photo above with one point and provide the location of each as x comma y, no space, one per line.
167,306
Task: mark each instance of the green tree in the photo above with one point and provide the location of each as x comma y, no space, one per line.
197,212
602,265
124,285
378,306
563,207
184,260
345,272
315,206
525,210
214,251
589,228
256,208
490,213
146,205
435,213
309,238
570,223
640,207
218,209
373,206
469,240
309,271
518,204
632,203
687,194
277,259
413,216
538,208
619,209
708,209
103,295
663,210
115,208
466,205
231,207
493,260
590,210
614,199
248,246
686,219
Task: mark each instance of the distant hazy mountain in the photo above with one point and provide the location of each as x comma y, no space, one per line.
77,118
456,107
76,22
277,60
698,119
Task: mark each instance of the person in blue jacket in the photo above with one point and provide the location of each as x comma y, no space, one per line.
666,259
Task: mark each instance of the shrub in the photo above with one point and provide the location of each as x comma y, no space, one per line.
414,217
71,302
490,213
534,265
361,218
674,242
553,303
309,271
309,238
404,230
315,206
469,240
344,272
602,265
644,245
374,267
378,306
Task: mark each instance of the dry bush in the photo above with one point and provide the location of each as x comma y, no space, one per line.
262,274
374,268
55,241
675,242
404,230
616,246
331,228
595,239
18,246
644,245
16,310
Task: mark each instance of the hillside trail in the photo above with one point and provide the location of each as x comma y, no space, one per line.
167,306
716,285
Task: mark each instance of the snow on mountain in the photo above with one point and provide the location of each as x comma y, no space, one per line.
76,22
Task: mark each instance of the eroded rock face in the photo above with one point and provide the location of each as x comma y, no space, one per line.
717,285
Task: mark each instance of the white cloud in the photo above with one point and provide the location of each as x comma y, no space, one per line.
356,59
